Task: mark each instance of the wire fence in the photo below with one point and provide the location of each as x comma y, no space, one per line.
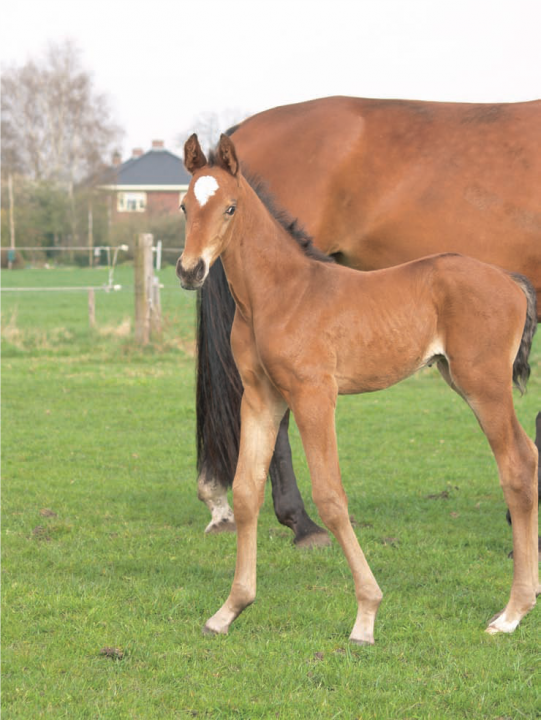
79,256
145,286
104,256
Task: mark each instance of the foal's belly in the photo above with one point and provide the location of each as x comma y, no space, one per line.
378,365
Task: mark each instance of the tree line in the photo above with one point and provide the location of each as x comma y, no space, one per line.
57,132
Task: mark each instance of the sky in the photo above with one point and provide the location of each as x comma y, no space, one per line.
164,63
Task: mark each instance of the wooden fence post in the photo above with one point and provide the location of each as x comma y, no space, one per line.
156,307
91,307
143,287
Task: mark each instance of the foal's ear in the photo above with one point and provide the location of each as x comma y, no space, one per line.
194,158
227,155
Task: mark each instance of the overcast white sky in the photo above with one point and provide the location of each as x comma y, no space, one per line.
164,62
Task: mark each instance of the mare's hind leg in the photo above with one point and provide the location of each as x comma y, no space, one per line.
214,495
288,503
314,413
490,398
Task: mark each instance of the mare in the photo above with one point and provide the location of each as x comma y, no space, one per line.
306,331
375,183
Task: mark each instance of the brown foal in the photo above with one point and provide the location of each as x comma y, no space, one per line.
306,331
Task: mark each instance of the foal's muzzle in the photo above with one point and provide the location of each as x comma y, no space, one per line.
194,277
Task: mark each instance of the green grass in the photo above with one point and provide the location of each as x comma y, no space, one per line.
103,543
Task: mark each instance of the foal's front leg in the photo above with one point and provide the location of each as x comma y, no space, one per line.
260,419
314,412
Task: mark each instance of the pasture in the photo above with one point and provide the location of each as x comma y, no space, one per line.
107,577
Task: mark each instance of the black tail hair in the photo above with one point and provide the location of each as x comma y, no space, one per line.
219,387
521,366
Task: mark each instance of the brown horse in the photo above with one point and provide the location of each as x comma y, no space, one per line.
375,183
306,331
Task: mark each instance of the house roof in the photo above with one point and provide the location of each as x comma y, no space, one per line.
153,168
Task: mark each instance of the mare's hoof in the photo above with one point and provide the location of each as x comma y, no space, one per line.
223,526
315,539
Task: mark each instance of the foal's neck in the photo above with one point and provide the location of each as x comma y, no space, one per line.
262,258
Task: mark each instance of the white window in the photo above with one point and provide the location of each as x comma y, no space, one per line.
131,202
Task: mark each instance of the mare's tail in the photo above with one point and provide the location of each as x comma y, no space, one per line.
521,366
219,388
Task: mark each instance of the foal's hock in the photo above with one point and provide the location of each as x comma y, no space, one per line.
306,331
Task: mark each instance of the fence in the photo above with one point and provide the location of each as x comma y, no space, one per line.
146,284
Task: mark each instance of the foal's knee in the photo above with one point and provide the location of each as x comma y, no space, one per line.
332,507
247,499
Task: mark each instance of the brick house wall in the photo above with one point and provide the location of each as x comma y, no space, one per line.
148,184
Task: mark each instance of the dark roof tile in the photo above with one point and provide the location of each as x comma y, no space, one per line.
155,167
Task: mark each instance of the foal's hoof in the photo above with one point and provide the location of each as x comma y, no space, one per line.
315,539
211,632
500,624
360,641
222,526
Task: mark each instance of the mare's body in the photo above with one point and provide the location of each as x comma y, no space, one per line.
375,183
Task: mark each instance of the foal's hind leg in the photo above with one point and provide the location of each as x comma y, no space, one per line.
314,414
516,457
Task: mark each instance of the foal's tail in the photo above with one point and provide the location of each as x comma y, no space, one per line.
521,366
219,387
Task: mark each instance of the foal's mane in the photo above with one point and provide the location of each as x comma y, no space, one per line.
290,224
285,220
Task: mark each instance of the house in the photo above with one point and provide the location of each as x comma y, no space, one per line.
149,183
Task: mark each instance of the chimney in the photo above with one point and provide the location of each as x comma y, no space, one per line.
157,145
136,152
117,159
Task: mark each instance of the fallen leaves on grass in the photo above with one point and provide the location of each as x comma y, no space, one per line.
112,652
40,533
444,495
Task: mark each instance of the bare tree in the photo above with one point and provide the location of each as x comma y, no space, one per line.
209,124
55,127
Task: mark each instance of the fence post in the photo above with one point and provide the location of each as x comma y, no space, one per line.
143,287
91,307
11,255
156,307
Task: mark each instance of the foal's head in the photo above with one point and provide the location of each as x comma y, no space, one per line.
209,206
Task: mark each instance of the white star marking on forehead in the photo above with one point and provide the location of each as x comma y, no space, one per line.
204,189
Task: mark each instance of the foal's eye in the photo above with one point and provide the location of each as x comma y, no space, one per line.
230,210
183,208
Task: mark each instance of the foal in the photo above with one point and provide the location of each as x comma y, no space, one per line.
306,331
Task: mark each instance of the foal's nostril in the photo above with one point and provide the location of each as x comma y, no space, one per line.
193,278
199,270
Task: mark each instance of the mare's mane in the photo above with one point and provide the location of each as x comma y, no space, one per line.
285,220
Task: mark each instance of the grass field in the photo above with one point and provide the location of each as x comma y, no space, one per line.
107,577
